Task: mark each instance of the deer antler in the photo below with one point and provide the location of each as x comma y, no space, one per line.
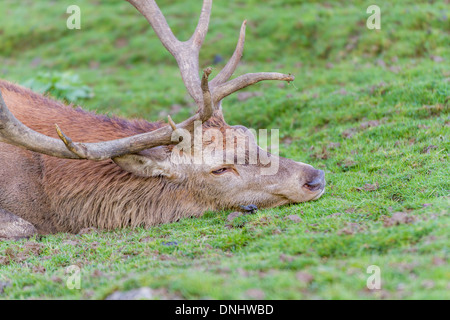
220,85
207,95
186,54
14,132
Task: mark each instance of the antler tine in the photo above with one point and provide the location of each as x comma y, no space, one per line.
154,16
185,53
208,103
208,96
246,80
202,27
232,64
221,87
14,132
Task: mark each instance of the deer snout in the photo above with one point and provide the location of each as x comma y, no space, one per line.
315,181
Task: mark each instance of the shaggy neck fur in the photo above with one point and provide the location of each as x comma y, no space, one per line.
101,194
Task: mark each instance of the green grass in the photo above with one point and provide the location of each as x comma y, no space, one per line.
346,76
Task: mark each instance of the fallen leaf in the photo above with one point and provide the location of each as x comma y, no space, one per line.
242,272
3,285
381,63
35,62
368,124
395,69
342,91
397,219
165,257
348,133
437,261
121,42
351,228
436,58
428,284
233,215
88,231
287,140
294,218
369,187
94,64
334,215
33,248
71,242
323,154
276,231
348,163
334,145
38,269
286,258
97,273
304,277
147,239
256,294
428,149
4,261
382,85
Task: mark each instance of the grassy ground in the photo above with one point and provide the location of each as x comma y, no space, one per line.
370,107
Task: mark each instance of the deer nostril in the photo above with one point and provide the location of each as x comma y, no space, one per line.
317,182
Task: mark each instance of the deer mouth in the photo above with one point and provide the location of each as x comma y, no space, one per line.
313,187
319,195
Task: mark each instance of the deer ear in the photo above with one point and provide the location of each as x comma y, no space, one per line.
146,164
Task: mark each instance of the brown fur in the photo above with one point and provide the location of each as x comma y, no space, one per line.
83,193
60,195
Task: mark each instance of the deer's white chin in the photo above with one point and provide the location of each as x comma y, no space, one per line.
319,195
306,199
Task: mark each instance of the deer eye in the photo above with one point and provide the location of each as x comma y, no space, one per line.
220,171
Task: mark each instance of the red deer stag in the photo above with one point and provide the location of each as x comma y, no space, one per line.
107,172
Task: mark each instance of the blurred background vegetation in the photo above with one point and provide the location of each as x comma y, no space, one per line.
370,107
325,44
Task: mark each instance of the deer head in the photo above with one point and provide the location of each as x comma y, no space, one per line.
202,154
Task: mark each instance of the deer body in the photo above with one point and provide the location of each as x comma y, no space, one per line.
63,195
110,172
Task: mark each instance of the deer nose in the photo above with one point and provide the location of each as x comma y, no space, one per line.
316,181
